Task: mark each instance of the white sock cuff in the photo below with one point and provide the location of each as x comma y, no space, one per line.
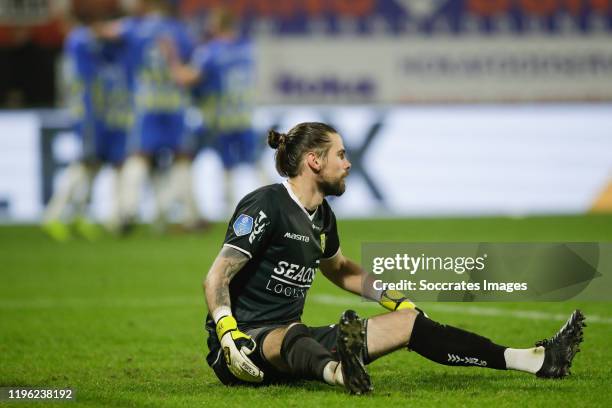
529,360
332,373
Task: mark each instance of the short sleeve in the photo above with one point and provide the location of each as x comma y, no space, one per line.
200,60
251,225
332,240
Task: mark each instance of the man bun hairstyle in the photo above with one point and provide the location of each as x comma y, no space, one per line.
301,139
275,139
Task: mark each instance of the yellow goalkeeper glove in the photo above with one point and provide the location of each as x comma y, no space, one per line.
395,300
236,348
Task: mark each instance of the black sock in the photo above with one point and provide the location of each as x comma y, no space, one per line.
305,356
455,347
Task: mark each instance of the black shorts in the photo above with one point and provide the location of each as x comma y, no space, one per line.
325,335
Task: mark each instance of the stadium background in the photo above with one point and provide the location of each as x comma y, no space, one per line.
466,121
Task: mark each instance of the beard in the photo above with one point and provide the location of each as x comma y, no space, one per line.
332,188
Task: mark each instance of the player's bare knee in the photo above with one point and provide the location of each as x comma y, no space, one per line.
406,315
271,346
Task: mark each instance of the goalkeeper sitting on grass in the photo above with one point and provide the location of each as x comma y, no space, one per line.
277,238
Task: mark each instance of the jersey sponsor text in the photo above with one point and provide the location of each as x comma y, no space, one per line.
297,237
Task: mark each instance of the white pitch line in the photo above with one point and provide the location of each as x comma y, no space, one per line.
49,303
464,309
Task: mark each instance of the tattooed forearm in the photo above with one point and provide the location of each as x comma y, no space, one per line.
232,261
216,287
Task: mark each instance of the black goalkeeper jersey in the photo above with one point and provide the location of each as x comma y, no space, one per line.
285,244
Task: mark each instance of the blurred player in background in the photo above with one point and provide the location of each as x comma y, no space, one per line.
222,77
159,135
100,104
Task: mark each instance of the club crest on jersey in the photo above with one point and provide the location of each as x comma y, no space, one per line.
322,242
243,225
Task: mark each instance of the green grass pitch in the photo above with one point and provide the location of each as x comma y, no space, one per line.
121,322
